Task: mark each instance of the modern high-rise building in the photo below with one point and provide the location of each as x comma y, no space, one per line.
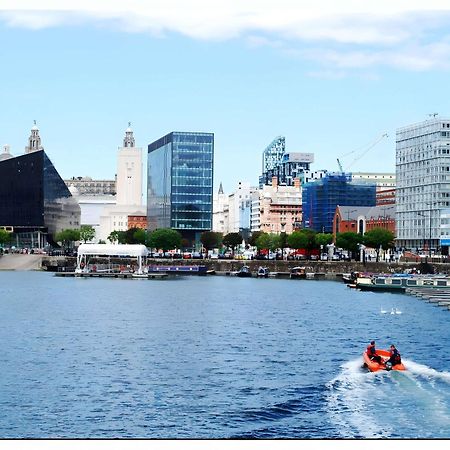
320,199
423,185
35,203
180,183
273,153
285,166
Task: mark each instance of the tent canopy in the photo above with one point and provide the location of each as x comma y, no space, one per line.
134,250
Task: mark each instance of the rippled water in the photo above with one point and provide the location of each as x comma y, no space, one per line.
215,357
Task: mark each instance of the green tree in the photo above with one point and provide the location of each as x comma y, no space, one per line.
5,236
349,241
283,242
305,239
253,237
164,239
232,240
140,236
210,240
129,236
113,236
324,239
67,237
87,233
269,242
379,237
297,240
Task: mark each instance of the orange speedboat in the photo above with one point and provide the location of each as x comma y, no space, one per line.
373,366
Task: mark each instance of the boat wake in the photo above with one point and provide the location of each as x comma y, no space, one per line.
410,404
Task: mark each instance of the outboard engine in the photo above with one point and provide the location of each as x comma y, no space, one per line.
388,366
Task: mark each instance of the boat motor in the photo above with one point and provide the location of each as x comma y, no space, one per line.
388,365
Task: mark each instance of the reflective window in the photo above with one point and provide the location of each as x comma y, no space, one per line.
33,196
180,181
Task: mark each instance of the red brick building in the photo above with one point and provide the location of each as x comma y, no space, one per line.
137,222
360,219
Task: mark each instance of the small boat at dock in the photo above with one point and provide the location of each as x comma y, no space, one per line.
298,272
244,272
401,282
263,272
181,270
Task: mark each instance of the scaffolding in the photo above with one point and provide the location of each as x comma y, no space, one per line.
320,199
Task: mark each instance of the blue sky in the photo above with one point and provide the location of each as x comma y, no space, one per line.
331,79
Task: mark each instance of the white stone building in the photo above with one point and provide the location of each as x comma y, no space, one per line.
129,189
237,209
220,204
423,185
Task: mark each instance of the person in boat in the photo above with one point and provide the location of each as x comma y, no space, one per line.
372,353
395,357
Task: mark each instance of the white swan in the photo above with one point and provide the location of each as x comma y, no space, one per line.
392,311
383,311
397,311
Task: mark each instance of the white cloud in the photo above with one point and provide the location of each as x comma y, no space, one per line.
350,33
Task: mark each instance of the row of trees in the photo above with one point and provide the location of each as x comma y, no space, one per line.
168,239
305,239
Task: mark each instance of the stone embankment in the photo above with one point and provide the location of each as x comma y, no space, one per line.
331,269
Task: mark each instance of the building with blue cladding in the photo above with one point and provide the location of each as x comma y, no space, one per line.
320,199
180,183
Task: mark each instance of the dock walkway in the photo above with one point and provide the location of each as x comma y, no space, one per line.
439,297
129,276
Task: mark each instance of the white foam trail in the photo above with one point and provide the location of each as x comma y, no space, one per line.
349,393
423,370
366,404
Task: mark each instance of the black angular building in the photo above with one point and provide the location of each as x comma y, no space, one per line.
35,203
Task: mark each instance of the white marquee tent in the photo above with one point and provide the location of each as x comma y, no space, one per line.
129,250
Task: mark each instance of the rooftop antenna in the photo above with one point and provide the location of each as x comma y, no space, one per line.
433,114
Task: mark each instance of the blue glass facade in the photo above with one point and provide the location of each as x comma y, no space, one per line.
320,198
180,182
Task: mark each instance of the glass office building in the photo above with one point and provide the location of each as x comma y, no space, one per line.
180,183
34,200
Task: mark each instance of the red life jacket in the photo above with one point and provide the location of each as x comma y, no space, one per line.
371,350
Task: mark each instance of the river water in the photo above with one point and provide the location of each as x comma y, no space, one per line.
216,357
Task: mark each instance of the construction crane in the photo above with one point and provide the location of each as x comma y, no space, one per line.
366,150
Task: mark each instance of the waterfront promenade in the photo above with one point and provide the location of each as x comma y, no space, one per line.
16,261
329,268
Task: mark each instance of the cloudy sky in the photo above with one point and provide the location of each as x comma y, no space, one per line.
331,76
